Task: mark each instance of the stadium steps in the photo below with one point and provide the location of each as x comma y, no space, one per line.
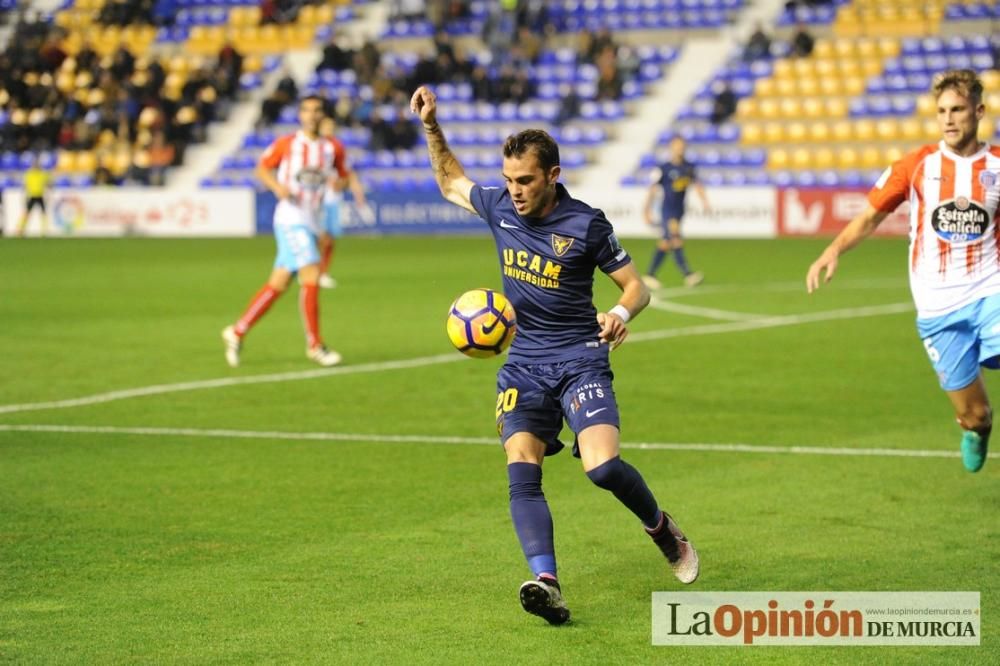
699,59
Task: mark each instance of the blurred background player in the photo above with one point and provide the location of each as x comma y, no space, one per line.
330,228
550,246
297,168
953,188
36,182
671,180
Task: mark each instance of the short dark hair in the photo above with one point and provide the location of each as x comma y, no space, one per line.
965,82
539,141
317,98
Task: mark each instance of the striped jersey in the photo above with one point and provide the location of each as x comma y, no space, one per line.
305,167
954,252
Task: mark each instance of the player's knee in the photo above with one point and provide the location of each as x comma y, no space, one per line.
977,417
608,475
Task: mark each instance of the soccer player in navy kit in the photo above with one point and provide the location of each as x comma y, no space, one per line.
549,245
673,177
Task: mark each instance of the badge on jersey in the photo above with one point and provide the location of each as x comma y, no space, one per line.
987,178
560,244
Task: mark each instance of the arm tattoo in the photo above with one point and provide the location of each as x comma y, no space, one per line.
446,166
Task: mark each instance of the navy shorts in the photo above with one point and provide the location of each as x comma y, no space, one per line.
672,214
535,398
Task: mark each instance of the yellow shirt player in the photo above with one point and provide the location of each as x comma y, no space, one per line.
36,181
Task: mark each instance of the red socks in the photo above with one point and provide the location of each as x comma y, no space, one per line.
258,306
309,307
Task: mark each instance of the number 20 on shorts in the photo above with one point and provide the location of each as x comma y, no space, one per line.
506,400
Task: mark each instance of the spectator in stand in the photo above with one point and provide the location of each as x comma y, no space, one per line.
228,70
335,56
402,132
802,42
758,46
609,81
569,104
498,31
483,87
724,104
161,157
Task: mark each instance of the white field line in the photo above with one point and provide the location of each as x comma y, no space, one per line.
770,322
364,368
800,286
215,433
159,389
709,313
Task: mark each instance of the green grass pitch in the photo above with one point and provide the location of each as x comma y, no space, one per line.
196,524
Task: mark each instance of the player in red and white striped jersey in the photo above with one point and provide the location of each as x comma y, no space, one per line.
953,188
298,168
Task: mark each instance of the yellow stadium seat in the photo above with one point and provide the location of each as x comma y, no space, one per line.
86,162
324,15
992,101
842,130
790,107
822,159
864,130
931,130
823,48
803,67
831,85
764,87
853,85
237,16
844,48
926,105
769,108
867,49
303,35
796,132
892,154
825,67
871,158
808,86
887,130
786,87
751,134
307,15
774,132
910,130
888,47
66,161
836,107
747,108
819,131
802,158
990,79
813,107
783,69
777,158
847,158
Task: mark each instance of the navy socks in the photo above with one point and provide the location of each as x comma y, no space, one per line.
532,520
628,486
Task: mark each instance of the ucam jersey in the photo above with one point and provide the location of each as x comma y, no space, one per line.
305,167
548,268
675,180
954,254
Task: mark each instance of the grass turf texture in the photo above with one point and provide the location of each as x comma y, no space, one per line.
207,549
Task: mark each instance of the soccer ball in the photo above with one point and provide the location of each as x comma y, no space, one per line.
481,323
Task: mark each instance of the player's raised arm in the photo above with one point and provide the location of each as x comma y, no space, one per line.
856,231
635,297
455,186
